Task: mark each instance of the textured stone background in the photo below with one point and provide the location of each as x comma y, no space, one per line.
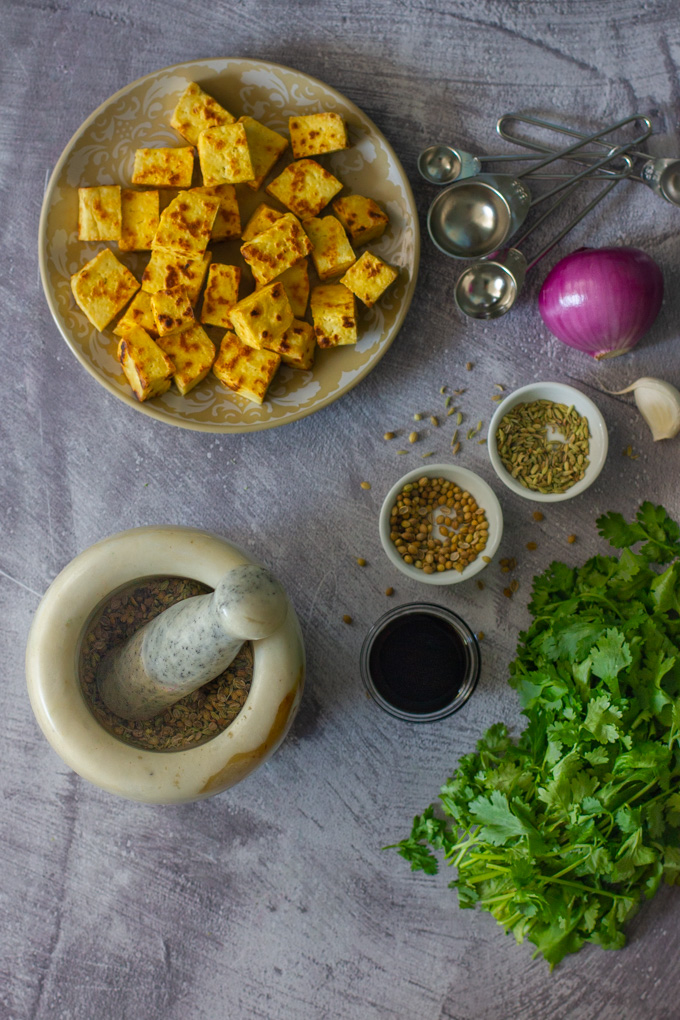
274,900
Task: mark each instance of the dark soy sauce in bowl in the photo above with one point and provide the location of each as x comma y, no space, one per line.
420,662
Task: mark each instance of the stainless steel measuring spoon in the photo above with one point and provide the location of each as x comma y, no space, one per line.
442,164
489,288
661,174
475,217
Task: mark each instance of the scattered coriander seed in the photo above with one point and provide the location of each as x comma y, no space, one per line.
365,485
417,417
480,585
468,366
514,585
346,618
537,515
389,591
508,593
434,420
571,539
531,546
413,437
361,561
389,435
480,635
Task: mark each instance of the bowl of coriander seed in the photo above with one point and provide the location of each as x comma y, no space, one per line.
442,525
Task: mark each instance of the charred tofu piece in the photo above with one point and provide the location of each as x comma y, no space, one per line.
137,313
196,111
305,188
276,249
332,253
164,168
369,277
362,218
192,352
103,287
221,294
245,369
262,316
227,224
165,271
316,133
224,155
264,217
147,368
139,219
296,283
334,315
172,311
186,223
297,346
99,213
266,147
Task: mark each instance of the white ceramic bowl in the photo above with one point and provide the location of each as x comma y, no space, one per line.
560,393
468,481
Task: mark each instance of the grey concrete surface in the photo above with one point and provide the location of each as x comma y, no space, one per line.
275,900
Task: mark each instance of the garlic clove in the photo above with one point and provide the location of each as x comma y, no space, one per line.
659,404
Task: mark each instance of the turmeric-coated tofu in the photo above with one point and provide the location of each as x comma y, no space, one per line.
334,314
264,217
164,168
297,346
139,219
262,316
137,313
277,248
296,283
192,353
172,310
224,155
99,213
265,147
103,287
186,223
369,277
147,368
245,369
332,253
164,271
220,295
227,223
196,111
315,133
304,187
362,218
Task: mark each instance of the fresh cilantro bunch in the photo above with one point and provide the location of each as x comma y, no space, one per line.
562,833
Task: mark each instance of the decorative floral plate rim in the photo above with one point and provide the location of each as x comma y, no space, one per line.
101,152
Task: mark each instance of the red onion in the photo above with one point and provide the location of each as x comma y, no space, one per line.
602,300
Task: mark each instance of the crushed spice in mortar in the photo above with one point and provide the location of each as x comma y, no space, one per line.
192,720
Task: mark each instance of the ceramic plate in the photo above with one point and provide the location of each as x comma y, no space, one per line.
102,152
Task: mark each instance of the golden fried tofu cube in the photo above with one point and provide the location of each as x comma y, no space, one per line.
265,216
224,155
332,253
304,187
277,248
266,147
139,219
137,313
196,111
262,316
99,213
164,271
221,294
147,368
369,277
192,353
164,168
334,315
103,287
227,223
297,346
185,224
245,369
172,311
296,282
315,133
362,218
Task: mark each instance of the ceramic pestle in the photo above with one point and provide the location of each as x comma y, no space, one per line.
190,643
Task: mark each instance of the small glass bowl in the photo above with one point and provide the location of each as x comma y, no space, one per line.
467,651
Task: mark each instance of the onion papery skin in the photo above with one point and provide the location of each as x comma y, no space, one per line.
602,300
